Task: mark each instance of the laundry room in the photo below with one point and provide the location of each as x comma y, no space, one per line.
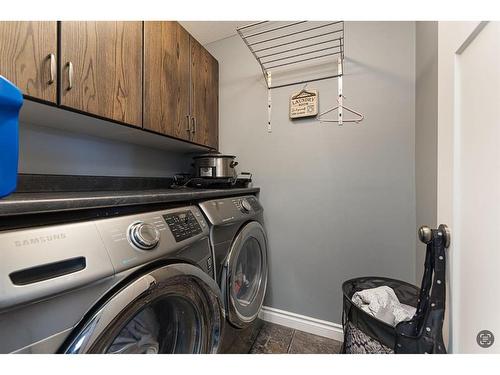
288,181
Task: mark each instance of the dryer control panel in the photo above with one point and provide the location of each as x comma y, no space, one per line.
229,210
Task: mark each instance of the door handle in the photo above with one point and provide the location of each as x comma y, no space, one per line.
444,231
194,125
52,68
425,234
70,75
188,129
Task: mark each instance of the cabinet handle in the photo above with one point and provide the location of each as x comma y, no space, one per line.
194,125
188,129
52,62
70,75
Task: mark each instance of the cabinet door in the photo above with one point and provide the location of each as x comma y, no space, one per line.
166,79
101,69
204,95
28,53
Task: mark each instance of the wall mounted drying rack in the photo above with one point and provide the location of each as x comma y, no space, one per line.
282,48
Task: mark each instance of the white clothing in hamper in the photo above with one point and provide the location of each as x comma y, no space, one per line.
383,304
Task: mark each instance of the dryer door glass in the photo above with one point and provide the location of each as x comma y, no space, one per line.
246,274
173,309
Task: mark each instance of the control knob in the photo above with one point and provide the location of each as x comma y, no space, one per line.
143,235
245,206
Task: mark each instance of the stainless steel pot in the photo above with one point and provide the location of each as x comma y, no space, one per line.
215,166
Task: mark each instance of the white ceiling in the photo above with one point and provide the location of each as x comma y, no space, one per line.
210,31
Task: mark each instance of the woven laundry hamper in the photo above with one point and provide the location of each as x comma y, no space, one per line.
365,334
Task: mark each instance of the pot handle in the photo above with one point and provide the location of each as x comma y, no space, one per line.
233,164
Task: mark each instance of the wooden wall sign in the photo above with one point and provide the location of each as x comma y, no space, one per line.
304,104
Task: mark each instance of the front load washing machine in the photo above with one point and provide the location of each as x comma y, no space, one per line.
140,283
239,243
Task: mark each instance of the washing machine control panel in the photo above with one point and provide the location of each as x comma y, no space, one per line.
136,239
183,225
143,235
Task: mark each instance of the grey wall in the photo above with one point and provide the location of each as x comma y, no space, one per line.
426,126
53,151
339,201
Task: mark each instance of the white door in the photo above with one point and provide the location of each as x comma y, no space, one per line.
469,179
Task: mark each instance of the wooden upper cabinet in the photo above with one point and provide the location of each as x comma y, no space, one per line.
150,74
204,95
28,53
181,84
101,69
166,79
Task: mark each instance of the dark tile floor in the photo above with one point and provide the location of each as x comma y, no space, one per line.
276,339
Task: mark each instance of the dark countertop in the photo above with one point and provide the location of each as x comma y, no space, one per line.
33,203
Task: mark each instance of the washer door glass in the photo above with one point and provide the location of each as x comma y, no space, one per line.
173,309
247,274
171,324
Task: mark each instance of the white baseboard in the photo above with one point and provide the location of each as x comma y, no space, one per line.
302,323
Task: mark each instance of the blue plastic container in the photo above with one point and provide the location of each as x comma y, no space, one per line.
11,100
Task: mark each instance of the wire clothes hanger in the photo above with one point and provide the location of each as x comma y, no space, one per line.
341,107
340,119
304,93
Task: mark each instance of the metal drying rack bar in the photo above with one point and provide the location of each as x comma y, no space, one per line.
282,47
277,45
